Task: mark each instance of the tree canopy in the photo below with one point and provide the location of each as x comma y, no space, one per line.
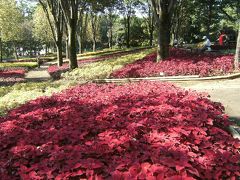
91,24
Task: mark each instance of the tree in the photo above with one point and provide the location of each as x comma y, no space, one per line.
111,6
82,33
128,10
95,19
163,13
41,28
11,19
70,10
237,55
149,19
194,19
55,19
139,35
81,27
110,19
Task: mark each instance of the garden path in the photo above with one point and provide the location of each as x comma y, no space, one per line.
227,92
39,74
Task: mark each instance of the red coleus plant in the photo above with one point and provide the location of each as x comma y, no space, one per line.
12,73
180,63
145,130
10,76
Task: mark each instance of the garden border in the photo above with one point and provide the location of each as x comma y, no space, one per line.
234,131
169,78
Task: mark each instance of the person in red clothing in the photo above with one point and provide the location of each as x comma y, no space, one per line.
222,39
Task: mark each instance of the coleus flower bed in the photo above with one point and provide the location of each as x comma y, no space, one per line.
11,76
12,73
56,71
145,130
180,63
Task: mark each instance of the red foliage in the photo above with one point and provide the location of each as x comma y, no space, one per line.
12,73
11,76
180,63
56,71
143,130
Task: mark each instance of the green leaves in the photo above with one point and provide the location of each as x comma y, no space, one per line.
42,29
11,19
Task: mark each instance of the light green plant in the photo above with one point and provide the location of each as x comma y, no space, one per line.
11,97
103,69
18,94
18,64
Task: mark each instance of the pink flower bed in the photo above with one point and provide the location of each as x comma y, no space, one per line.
179,63
11,76
55,71
12,73
144,130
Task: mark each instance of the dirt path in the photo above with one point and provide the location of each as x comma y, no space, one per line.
227,92
39,74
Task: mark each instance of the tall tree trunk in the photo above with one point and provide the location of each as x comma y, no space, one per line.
70,10
59,44
163,37
94,30
110,31
84,30
56,24
46,49
209,22
80,31
79,40
163,12
177,20
80,35
150,24
128,31
67,48
58,41
59,53
72,44
15,52
94,44
1,44
237,55
151,33
111,38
